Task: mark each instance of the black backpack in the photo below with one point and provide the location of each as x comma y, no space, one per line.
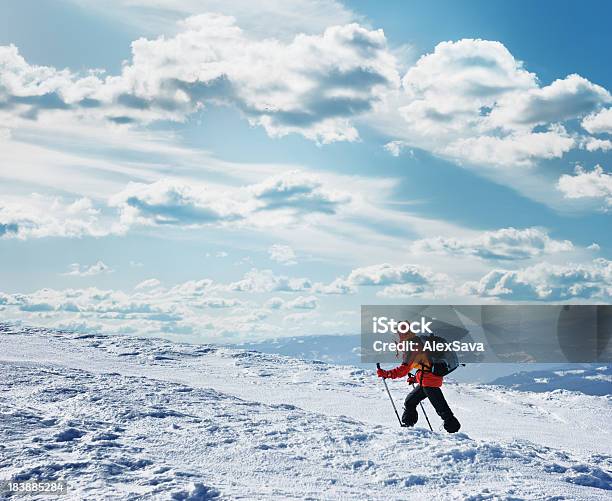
441,362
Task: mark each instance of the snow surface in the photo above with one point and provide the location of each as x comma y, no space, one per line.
131,418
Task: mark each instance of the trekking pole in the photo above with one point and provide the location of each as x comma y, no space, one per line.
391,398
424,413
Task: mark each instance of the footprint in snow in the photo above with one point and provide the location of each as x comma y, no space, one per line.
199,492
362,464
68,435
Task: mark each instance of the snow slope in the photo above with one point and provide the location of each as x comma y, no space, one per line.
128,418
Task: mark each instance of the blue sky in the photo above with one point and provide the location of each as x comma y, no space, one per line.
220,171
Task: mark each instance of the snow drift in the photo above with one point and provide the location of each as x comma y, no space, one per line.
129,418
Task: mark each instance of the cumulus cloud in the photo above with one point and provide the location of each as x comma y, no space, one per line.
515,149
39,216
547,282
406,290
340,286
266,281
595,144
599,123
282,254
505,243
299,192
170,202
396,280
219,302
195,307
98,268
567,98
387,274
106,303
194,289
395,147
312,85
292,195
299,303
303,303
469,100
275,303
473,102
595,185
201,308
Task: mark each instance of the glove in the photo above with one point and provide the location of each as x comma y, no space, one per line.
412,379
382,373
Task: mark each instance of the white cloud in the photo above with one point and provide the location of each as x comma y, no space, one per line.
395,148
171,202
466,73
406,290
515,149
266,281
303,303
282,254
594,144
567,98
312,85
595,185
39,216
193,289
505,243
547,282
599,123
98,268
220,302
340,286
275,303
200,308
396,280
387,274
291,196
151,283
471,101
206,310
300,193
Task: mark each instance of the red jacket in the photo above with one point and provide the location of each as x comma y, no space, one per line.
424,378
419,360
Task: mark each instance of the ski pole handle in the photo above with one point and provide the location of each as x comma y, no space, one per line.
378,365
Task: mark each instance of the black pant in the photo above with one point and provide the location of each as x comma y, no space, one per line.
419,393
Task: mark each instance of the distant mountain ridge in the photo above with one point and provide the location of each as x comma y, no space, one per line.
591,381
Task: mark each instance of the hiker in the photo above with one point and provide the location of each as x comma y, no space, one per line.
428,386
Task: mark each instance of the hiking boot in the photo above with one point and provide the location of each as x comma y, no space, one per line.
452,424
410,417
